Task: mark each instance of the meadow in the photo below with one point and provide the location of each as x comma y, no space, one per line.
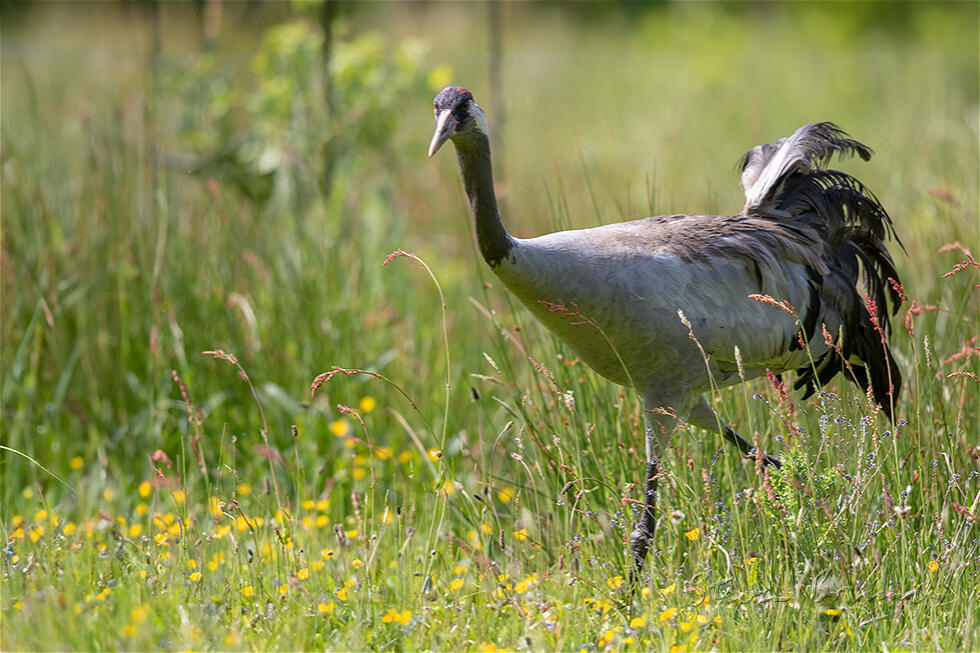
259,392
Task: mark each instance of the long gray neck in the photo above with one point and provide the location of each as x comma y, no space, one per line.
473,151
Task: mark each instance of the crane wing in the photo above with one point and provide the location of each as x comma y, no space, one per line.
853,275
766,167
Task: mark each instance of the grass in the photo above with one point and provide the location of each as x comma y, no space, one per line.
171,481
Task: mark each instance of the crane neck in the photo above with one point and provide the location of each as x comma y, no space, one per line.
473,152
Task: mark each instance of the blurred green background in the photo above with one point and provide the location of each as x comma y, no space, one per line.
180,177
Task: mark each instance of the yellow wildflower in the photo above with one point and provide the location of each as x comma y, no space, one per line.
340,427
615,582
326,608
639,622
76,462
248,591
506,495
667,614
456,584
393,615
933,566
367,404
525,584
520,535
692,534
214,506
598,605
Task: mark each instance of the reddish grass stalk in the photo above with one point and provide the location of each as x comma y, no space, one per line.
968,349
970,262
194,418
230,358
769,300
899,289
225,356
872,307
335,370
964,512
573,313
916,309
889,503
344,410
781,390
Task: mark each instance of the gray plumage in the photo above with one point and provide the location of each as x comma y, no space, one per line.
627,296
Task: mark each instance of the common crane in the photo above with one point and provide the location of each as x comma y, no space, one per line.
807,235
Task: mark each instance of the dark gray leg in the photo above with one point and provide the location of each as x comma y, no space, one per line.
660,424
704,417
642,535
746,448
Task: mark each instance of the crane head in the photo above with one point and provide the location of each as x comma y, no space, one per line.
456,113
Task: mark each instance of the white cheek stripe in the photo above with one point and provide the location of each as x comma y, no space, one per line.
479,118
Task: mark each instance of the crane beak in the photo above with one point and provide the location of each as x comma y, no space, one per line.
445,127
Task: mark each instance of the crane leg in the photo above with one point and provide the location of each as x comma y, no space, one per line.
659,427
704,417
642,535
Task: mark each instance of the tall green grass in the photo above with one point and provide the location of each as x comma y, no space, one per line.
482,490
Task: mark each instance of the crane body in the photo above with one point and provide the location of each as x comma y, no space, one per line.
627,297
645,282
